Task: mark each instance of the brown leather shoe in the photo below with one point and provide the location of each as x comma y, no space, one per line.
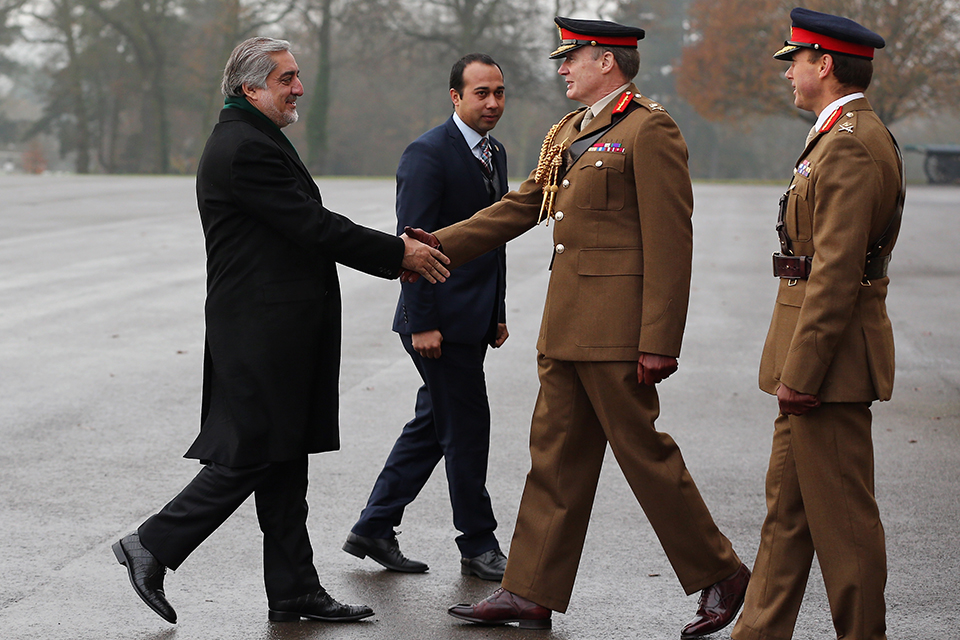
719,604
502,607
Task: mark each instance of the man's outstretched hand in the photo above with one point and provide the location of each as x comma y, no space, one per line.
652,368
420,259
425,237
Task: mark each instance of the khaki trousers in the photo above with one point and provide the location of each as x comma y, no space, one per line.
581,407
820,499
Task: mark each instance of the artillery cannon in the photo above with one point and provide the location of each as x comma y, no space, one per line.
942,162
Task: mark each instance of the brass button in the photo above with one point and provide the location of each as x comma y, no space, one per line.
565,183
560,248
558,216
599,163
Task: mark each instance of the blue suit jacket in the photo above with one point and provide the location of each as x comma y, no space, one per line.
440,182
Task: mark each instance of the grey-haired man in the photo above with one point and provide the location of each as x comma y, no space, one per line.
272,348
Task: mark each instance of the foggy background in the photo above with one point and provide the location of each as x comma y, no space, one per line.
132,86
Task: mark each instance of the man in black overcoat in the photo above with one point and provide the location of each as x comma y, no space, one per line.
272,349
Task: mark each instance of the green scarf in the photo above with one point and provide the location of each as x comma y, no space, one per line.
231,102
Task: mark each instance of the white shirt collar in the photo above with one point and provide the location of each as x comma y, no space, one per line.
469,135
833,106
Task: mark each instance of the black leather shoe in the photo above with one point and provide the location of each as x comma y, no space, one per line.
386,551
487,566
317,606
719,604
146,575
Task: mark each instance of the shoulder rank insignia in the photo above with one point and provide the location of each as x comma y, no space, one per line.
656,106
846,127
832,120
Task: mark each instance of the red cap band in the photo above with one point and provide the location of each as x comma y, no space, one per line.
831,44
628,41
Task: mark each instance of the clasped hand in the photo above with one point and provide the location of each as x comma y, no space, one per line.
419,235
421,257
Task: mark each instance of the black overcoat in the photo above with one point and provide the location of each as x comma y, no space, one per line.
272,348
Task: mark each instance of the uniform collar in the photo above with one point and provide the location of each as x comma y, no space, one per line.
599,105
603,110
833,106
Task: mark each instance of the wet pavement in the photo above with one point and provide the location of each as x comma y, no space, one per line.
101,334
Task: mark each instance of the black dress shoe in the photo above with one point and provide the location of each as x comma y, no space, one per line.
719,604
487,566
317,606
146,575
386,551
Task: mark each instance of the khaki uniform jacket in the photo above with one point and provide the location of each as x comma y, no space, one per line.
830,335
623,239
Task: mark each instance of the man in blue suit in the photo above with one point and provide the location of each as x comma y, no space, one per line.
445,176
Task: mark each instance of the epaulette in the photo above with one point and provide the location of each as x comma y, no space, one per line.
847,122
649,104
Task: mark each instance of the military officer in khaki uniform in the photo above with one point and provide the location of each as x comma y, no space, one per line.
829,351
613,181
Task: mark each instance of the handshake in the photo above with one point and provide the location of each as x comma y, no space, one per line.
422,257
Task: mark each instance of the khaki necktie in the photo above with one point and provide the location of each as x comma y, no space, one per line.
811,135
587,117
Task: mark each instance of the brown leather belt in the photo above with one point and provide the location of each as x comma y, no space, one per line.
798,267
791,267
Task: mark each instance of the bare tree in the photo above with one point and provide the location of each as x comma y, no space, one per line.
320,15
217,26
514,31
7,9
148,28
62,24
727,72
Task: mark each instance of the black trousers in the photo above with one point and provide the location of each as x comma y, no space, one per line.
280,490
452,423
